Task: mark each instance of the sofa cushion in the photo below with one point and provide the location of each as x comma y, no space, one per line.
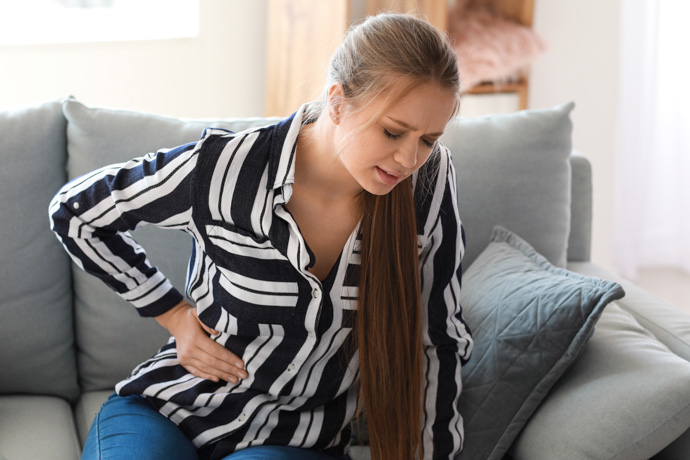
529,321
112,339
37,353
501,157
33,427
86,410
669,324
626,397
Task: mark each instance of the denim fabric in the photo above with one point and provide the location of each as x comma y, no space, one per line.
130,428
280,453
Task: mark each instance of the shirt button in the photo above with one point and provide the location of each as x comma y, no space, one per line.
316,293
291,367
241,418
75,205
310,335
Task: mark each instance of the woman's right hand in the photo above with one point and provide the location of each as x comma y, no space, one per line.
196,351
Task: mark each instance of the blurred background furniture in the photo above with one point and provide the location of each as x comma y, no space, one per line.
302,34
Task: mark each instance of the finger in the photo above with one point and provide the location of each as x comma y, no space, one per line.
203,375
210,363
210,357
201,369
226,359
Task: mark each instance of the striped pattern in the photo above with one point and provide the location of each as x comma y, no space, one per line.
248,278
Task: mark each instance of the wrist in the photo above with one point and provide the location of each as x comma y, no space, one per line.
171,317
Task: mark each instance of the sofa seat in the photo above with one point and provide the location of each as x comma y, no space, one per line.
37,427
86,409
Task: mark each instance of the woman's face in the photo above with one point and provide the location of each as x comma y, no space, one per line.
398,142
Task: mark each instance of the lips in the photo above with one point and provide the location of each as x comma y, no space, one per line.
390,178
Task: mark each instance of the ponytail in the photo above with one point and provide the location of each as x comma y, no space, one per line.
389,324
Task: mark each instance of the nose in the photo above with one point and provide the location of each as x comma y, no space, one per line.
406,156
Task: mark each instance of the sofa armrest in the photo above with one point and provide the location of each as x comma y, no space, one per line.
580,239
669,324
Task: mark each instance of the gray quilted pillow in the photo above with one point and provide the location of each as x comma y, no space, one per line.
529,321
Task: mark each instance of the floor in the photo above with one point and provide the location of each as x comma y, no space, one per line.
670,284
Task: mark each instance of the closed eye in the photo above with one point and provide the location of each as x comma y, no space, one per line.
395,137
390,135
428,144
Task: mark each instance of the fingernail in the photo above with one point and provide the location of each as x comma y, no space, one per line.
243,375
239,364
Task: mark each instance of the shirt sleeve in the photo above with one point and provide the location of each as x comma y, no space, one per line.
447,339
93,214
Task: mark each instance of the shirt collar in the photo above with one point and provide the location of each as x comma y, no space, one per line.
281,162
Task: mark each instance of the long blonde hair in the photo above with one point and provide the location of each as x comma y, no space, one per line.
376,55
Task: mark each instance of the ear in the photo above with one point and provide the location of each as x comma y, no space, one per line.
336,95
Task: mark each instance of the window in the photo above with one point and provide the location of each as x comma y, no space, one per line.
68,21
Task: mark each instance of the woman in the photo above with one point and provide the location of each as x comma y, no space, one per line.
324,274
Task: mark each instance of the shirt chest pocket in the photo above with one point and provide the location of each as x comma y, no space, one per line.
254,281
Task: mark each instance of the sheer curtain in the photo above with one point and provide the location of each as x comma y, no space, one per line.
652,204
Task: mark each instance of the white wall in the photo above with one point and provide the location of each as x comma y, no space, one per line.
582,65
220,73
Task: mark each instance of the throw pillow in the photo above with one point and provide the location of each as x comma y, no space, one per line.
529,321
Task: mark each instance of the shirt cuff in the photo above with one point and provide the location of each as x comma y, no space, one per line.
153,298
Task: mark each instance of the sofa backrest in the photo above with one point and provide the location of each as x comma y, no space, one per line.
37,352
514,170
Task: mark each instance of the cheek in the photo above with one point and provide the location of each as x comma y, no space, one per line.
421,159
426,156
359,154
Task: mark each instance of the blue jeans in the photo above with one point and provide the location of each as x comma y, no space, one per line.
130,428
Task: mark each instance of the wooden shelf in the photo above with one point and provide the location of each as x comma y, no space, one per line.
302,35
488,88
519,87
434,11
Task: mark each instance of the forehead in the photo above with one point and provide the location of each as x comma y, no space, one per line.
426,107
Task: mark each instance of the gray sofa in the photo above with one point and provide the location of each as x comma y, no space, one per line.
65,339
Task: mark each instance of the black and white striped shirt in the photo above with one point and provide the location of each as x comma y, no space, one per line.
248,278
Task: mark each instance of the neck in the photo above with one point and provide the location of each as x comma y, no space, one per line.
318,169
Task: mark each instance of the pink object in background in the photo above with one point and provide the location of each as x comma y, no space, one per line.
490,48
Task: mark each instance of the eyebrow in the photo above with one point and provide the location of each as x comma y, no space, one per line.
406,126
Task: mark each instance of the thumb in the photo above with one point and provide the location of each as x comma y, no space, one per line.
203,326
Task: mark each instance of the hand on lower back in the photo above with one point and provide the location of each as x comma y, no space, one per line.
196,351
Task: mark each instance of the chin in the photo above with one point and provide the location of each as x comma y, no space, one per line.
380,189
